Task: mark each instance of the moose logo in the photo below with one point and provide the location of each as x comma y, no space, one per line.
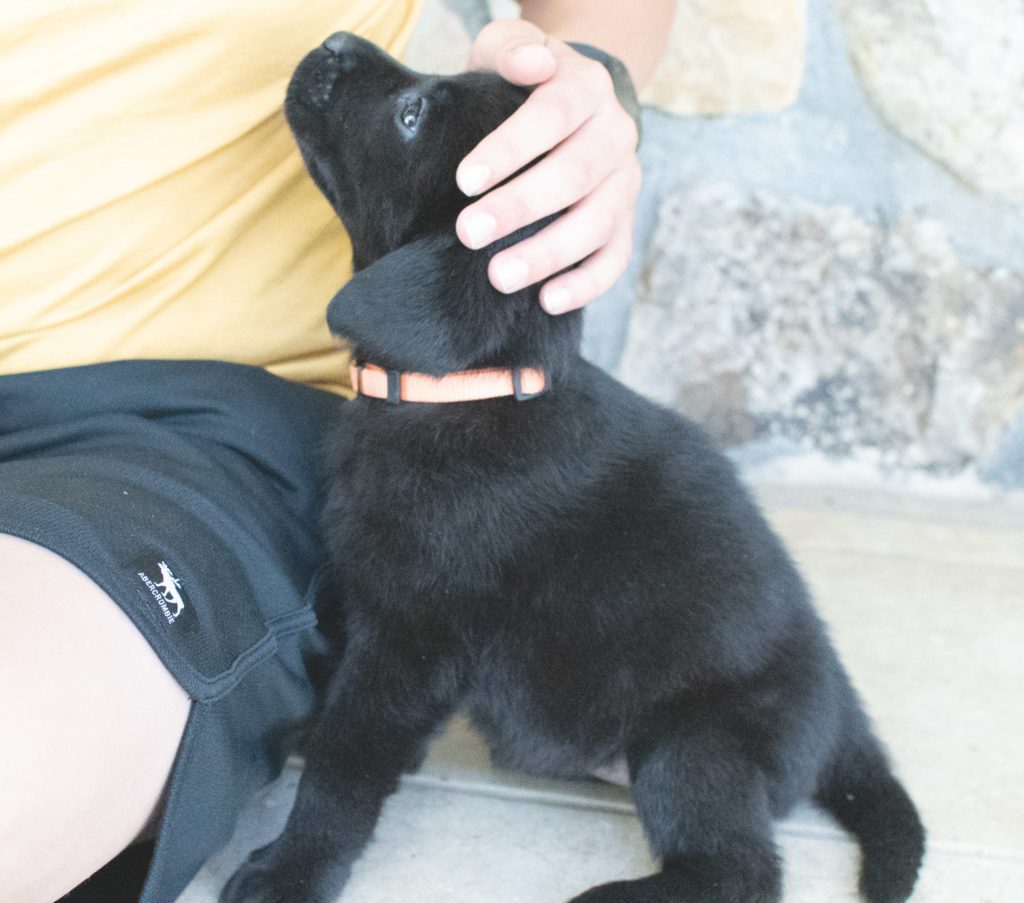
167,591
170,585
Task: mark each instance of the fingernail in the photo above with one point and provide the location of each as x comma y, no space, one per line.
472,177
532,54
511,273
480,229
556,300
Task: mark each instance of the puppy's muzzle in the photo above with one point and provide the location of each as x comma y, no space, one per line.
338,42
348,51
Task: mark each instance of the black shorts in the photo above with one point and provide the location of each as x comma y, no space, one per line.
188,491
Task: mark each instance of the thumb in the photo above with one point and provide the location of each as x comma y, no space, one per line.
516,50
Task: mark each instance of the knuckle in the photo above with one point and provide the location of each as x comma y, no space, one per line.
580,176
547,189
590,284
598,283
606,268
554,251
598,78
501,154
548,257
518,211
491,32
628,131
627,182
559,113
636,174
620,257
605,226
621,262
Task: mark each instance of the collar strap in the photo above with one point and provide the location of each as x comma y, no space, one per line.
466,385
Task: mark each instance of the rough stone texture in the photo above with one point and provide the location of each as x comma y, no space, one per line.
768,318
950,76
833,150
728,56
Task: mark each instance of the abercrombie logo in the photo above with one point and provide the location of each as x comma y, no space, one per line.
165,588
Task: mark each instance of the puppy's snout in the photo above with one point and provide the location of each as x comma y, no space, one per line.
338,42
348,51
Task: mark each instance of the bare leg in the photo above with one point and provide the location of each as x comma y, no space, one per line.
90,722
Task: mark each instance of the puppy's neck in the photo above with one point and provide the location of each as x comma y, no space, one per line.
398,387
428,307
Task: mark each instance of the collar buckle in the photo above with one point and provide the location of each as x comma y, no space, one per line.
394,387
517,386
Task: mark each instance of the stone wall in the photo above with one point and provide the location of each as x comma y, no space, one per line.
765,317
881,316
728,56
948,74
830,238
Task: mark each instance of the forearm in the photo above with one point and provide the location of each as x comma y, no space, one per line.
638,38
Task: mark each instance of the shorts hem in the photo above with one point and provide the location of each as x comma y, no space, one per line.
22,518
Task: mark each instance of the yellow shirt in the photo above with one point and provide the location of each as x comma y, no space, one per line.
152,201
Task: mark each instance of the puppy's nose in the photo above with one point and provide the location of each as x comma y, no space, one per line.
339,42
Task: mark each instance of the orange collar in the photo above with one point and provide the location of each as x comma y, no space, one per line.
466,385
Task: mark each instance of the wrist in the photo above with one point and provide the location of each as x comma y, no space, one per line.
622,81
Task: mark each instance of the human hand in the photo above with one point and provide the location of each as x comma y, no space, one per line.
591,170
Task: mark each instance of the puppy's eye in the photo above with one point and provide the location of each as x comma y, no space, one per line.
410,114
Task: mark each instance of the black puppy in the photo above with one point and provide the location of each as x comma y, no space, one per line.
582,572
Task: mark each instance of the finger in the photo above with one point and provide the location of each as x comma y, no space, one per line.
572,238
593,277
516,49
586,228
570,172
550,114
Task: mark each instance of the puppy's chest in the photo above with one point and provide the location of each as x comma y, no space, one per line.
438,525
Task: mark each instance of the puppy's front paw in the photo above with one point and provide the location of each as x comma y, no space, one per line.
257,881
617,892
272,875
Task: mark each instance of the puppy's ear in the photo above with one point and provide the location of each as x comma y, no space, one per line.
427,306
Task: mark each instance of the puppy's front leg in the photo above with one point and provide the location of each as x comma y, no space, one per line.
388,698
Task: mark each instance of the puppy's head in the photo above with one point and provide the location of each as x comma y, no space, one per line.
382,143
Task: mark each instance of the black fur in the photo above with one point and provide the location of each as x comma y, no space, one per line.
583,573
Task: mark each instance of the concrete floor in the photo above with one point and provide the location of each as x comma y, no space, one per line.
924,600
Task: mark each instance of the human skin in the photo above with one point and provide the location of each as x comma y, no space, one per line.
591,169
90,724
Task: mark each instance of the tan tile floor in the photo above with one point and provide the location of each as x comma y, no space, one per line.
925,600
